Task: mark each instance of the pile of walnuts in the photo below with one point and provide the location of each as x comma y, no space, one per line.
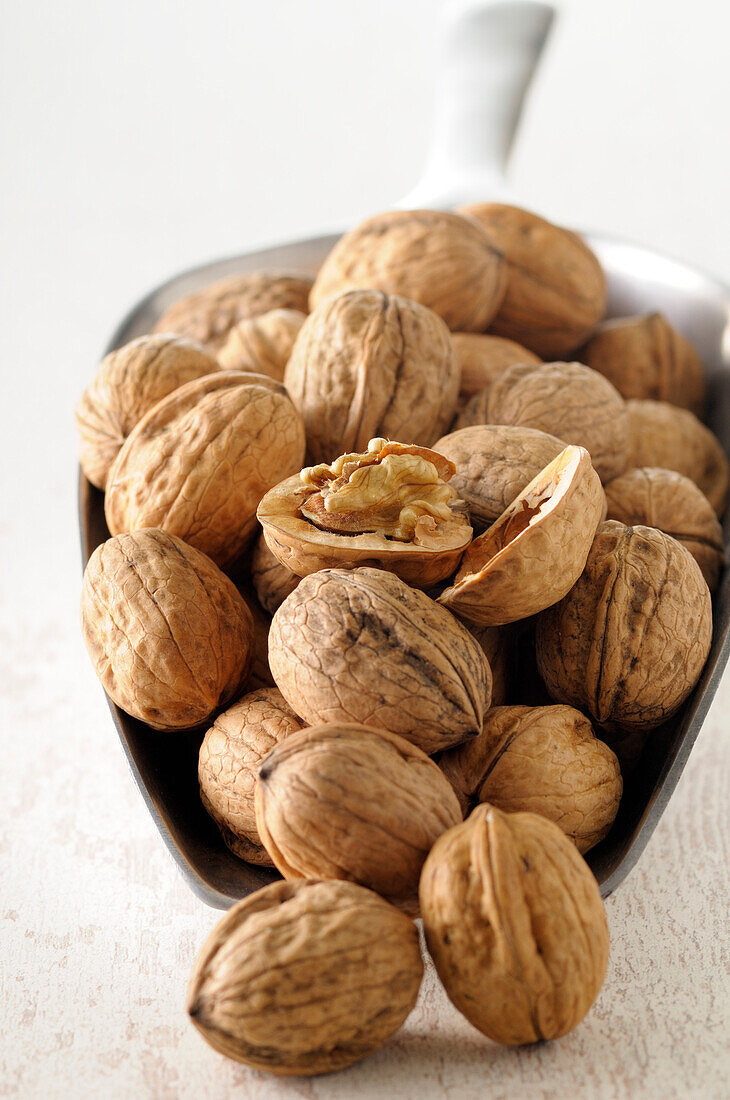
424,548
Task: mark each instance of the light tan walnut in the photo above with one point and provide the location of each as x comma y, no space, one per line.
472,411
674,439
483,358
361,646
262,344
665,499
646,357
168,634
367,364
570,401
303,978
208,315
199,462
515,925
535,552
441,260
629,641
128,383
541,760
556,289
350,802
272,581
231,752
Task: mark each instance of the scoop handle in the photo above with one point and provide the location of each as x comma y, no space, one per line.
490,53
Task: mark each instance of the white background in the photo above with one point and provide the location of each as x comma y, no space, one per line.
142,137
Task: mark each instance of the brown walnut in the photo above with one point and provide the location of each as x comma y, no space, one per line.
350,802
515,925
472,412
305,977
272,581
262,344
483,358
361,646
443,261
168,634
260,675
498,646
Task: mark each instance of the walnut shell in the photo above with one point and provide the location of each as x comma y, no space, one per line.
198,463
472,412
168,634
665,499
498,646
483,358
629,641
231,752
674,439
494,464
272,581
367,364
570,401
645,357
361,646
350,802
534,553
305,977
542,760
208,315
262,344
260,675
515,925
128,383
556,289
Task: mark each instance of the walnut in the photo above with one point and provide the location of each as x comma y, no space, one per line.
441,260
127,384
366,364
568,400
668,500
498,646
350,802
305,977
663,435
390,506
208,315
543,760
535,552
229,758
361,646
556,289
515,925
168,634
262,344
483,358
272,581
494,464
260,675
198,463
646,357
472,411
629,641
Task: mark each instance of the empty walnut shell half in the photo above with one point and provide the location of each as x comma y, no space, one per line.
483,358
229,758
208,315
198,463
350,802
168,634
272,581
303,978
441,260
262,344
674,439
629,641
667,500
570,401
127,384
361,646
541,760
389,507
515,925
369,364
534,553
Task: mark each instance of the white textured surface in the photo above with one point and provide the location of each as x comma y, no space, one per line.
137,139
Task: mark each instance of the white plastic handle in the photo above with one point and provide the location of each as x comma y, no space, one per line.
490,52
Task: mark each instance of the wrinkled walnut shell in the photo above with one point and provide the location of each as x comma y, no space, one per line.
272,581
305,977
483,358
498,646
541,760
556,289
515,925
350,802
361,646
168,634
472,412
441,260
260,675
629,641
262,344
